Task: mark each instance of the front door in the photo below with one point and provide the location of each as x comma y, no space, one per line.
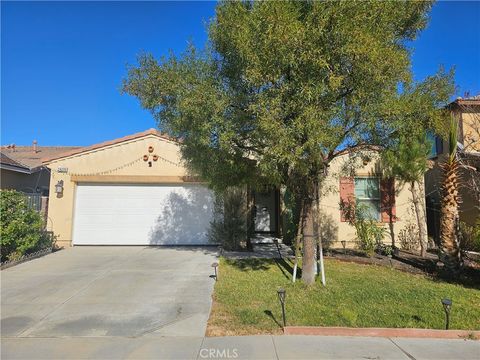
265,212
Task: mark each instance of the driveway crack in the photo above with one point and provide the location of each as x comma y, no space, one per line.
200,349
274,346
403,351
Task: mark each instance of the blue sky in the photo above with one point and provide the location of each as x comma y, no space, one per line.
63,62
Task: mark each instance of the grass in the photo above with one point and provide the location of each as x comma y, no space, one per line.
245,299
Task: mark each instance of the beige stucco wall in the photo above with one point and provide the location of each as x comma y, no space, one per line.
330,221
470,116
108,164
471,130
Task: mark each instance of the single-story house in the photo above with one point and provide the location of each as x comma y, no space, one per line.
21,169
136,191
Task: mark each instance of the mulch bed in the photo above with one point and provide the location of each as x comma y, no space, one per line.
409,262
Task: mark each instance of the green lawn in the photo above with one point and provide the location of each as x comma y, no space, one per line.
245,299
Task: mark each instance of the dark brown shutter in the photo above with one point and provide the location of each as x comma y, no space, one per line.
387,193
347,193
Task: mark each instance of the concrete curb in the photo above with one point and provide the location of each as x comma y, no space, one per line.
381,332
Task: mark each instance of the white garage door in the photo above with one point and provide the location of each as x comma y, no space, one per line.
141,214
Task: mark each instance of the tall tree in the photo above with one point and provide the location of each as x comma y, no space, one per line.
407,162
282,89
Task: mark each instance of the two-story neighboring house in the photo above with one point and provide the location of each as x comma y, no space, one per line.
467,112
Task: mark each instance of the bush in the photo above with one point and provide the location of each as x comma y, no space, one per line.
409,237
229,227
470,236
369,233
22,229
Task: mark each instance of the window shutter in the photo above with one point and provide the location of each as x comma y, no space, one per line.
387,191
347,193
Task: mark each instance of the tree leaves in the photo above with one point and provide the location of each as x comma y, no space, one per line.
283,87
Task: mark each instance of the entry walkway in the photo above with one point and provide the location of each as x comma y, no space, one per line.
262,251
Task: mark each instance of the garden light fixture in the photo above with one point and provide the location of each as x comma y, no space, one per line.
344,244
59,187
275,241
390,259
281,296
447,306
215,265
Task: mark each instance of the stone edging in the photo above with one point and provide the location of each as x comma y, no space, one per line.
25,258
381,332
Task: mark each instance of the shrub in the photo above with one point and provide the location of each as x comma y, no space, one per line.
470,236
229,227
22,229
409,237
369,233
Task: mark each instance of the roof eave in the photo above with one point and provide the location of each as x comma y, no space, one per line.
19,169
127,138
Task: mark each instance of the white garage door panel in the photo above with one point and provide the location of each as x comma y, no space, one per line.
141,214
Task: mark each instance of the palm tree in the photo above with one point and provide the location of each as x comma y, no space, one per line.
450,253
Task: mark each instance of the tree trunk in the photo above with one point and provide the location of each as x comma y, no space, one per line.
420,220
250,221
298,239
309,263
317,232
450,253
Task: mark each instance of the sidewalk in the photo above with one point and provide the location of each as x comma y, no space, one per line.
239,347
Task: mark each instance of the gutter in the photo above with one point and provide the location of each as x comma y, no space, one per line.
23,170
15,168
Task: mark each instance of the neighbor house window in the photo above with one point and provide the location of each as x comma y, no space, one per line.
367,195
436,144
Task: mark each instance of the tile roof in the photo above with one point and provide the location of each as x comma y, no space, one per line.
476,97
25,155
80,150
471,100
6,160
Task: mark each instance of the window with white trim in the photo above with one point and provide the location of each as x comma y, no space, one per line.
367,195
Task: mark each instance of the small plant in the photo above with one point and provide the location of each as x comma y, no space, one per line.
386,250
408,237
229,227
369,233
471,336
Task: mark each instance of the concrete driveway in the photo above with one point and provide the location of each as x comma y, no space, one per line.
109,292
153,303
